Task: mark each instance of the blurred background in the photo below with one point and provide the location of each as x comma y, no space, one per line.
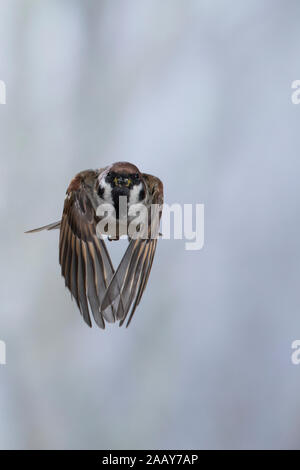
198,93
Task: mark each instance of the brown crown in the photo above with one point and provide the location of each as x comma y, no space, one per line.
123,167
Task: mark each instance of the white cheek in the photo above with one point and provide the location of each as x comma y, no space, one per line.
107,192
135,193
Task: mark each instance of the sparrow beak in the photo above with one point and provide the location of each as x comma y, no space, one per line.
122,181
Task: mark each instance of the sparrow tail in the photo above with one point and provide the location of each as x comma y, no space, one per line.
52,226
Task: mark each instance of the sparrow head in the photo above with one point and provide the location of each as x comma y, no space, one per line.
122,179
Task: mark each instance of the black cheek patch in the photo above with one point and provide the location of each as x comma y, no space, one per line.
142,194
100,191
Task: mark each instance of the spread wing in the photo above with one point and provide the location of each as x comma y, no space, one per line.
130,280
84,259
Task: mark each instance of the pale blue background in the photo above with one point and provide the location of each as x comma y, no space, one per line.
198,93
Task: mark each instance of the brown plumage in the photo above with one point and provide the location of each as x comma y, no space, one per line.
85,262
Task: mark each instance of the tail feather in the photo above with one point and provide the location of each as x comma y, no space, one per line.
52,226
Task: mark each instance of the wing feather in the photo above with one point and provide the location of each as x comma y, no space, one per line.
132,282
143,280
54,225
85,262
116,284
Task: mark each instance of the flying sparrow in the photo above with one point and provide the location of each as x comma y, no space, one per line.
85,262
